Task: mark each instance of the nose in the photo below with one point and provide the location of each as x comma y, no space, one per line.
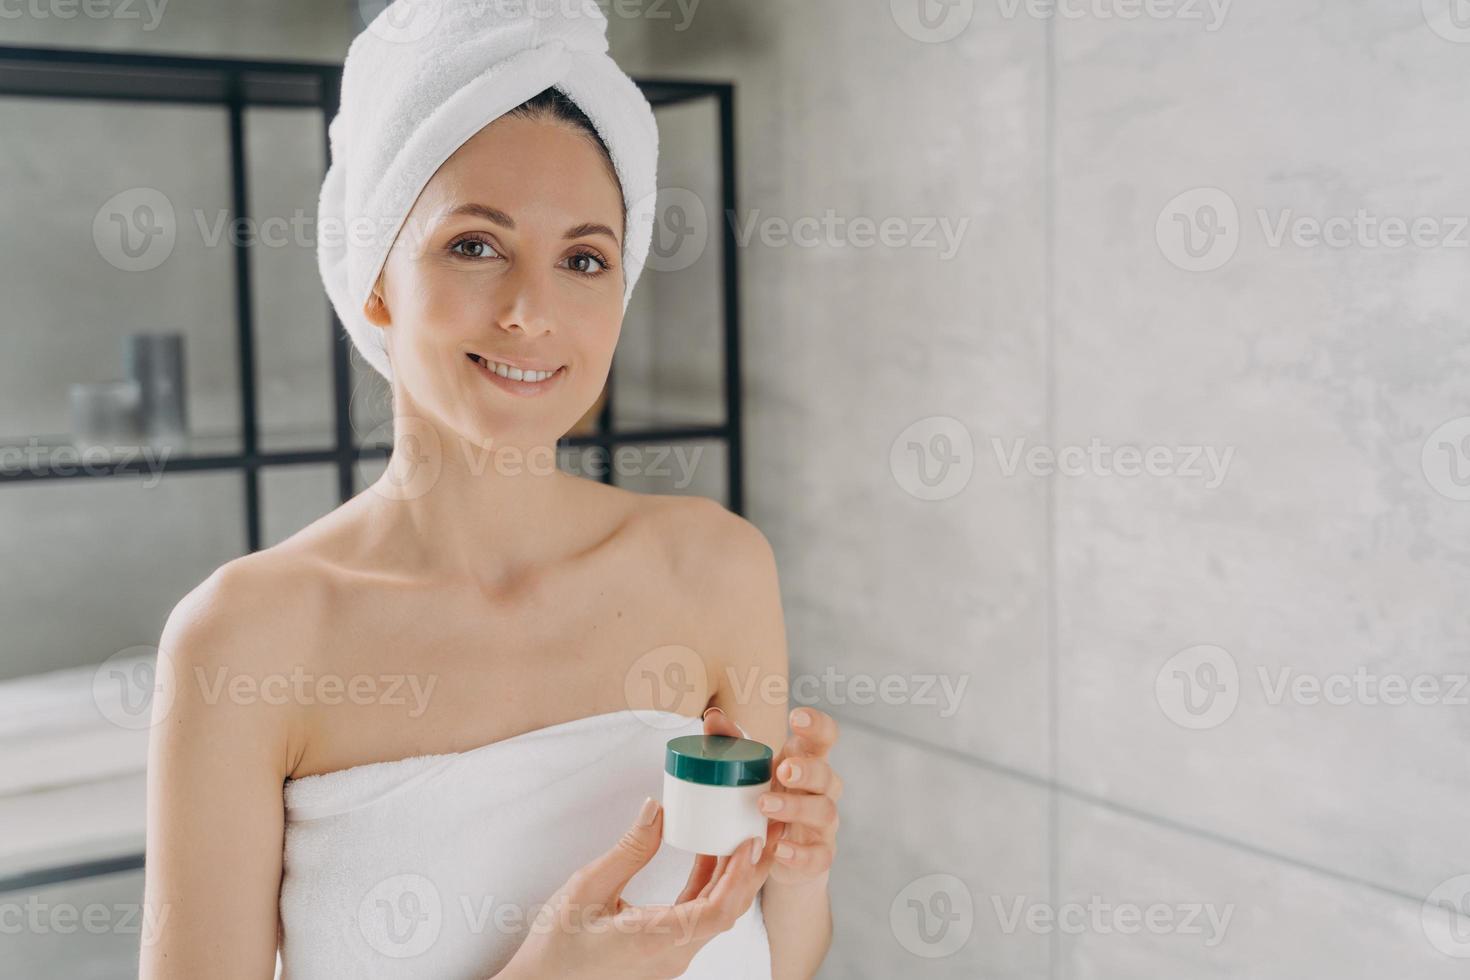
525,300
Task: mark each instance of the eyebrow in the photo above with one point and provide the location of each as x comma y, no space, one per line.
499,217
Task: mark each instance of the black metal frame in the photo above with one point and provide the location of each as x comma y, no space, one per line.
237,84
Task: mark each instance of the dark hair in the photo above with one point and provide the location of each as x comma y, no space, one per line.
553,103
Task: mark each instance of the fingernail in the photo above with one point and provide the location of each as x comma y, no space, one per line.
709,709
784,850
801,719
755,850
793,771
741,730
649,811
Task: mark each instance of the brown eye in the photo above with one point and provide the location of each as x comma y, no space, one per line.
589,256
481,244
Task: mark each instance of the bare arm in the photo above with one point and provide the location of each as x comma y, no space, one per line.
217,757
752,692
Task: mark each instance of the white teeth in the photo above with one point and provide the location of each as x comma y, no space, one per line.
515,373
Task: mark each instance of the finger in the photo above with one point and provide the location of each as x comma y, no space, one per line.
676,924
815,731
671,922
813,858
607,875
797,748
701,874
726,866
698,921
716,722
716,869
817,813
810,774
735,890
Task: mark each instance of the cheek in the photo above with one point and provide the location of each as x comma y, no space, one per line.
448,305
598,317
606,326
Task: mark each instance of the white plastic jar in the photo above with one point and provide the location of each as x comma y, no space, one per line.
712,788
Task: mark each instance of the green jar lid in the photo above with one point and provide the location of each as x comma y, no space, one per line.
718,760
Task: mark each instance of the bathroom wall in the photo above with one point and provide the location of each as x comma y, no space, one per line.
858,345
1187,745
1260,670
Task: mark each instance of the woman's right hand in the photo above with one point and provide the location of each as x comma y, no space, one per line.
586,930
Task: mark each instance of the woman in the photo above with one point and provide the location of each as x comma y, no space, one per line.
428,708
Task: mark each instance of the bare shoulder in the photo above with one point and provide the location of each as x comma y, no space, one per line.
267,608
724,573
707,546
255,609
229,643
223,737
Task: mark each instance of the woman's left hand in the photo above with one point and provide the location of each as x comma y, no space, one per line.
802,801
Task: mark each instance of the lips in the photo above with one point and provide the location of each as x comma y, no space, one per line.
522,387
529,373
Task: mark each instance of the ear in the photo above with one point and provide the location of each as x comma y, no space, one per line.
376,310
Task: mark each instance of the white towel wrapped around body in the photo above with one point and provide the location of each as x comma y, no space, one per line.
436,866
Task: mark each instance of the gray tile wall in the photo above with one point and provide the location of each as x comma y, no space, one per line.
1322,554
1087,779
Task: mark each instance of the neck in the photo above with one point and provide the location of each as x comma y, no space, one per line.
453,508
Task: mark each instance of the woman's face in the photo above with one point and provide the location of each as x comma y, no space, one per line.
513,251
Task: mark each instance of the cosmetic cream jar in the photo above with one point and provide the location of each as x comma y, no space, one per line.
712,788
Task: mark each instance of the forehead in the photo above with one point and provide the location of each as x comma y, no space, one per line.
541,168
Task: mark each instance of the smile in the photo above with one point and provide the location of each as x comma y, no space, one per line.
516,380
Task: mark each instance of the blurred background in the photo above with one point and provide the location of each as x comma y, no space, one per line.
1099,371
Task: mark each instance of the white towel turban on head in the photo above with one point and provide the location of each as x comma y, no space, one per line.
424,77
